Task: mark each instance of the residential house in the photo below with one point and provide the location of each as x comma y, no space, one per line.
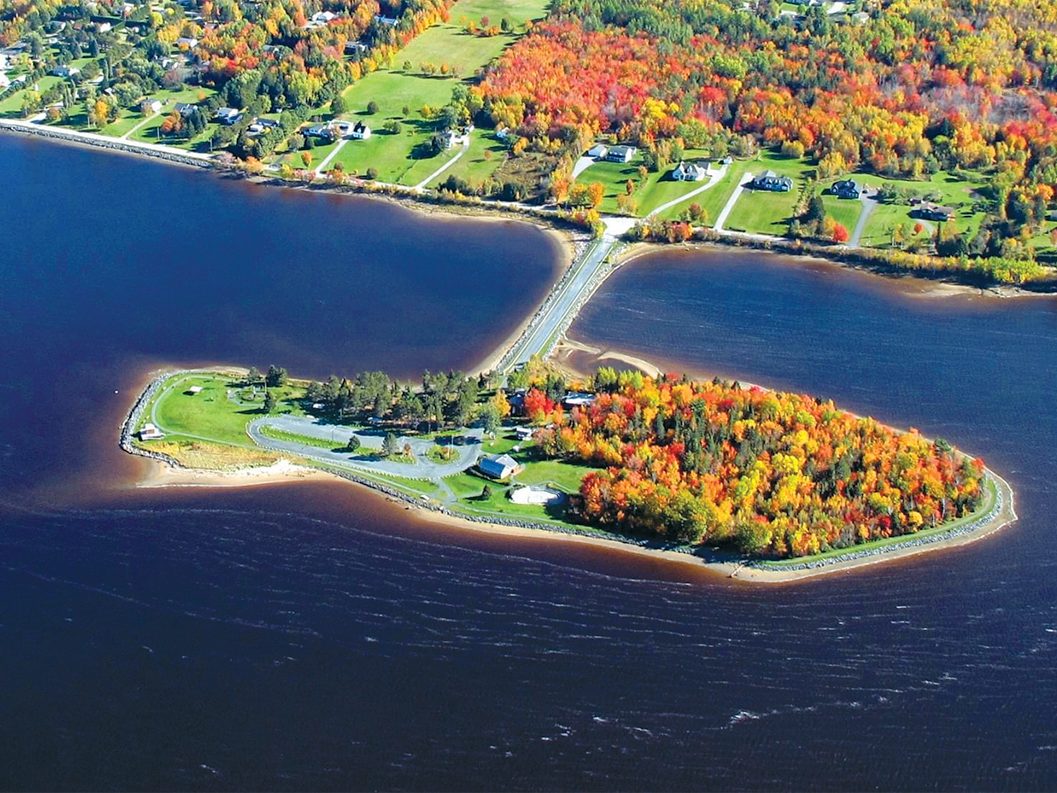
184,108
599,151
320,19
621,154
845,188
104,27
772,182
689,172
360,131
321,131
456,137
502,467
153,105
65,71
578,399
187,42
926,210
356,48
388,22
228,116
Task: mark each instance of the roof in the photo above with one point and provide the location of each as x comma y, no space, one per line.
497,466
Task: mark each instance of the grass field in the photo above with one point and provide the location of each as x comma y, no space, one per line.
761,212
398,158
656,189
11,107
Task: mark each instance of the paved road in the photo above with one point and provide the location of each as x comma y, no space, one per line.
78,135
437,173
333,153
868,207
422,468
563,302
725,213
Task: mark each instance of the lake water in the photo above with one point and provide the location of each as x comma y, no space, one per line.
313,636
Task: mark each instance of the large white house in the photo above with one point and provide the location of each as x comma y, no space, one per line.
689,172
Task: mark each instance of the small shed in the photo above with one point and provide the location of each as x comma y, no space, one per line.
501,467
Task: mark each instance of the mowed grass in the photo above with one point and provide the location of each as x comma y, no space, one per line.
949,190
210,414
402,157
656,189
11,107
763,212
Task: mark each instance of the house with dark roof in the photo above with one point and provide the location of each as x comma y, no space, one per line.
845,188
360,131
772,182
926,210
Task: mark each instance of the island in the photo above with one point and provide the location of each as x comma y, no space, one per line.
758,484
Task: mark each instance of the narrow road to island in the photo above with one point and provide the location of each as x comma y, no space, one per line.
564,301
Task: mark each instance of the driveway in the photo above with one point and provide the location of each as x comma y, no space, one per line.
370,440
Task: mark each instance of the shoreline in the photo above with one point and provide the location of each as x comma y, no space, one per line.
718,563
430,203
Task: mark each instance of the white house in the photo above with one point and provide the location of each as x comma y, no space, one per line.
104,27
154,105
187,42
360,131
689,172
598,151
65,71
621,154
524,433
456,137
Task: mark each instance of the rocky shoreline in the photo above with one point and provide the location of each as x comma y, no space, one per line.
708,557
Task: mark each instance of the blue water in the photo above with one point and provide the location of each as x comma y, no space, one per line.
314,637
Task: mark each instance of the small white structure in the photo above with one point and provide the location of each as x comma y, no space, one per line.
578,399
360,131
150,433
540,496
187,42
194,390
65,71
104,27
524,433
154,105
599,151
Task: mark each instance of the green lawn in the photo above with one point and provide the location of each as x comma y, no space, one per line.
656,189
399,157
12,106
762,212
210,414
485,155
948,190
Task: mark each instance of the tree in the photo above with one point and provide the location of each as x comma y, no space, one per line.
840,233
254,376
269,401
490,418
389,444
486,493
372,173
338,105
596,191
306,158
372,108
276,377
353,444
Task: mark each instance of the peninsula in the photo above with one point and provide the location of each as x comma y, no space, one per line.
760,485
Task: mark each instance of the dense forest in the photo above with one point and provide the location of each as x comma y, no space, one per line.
902,89
772,473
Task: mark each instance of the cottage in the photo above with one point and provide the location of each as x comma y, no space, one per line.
153,105
150,433
599,151
184,109
104,27
772,182
228,116
452,138
845,188
689,172
187,42
389,22
356,48
502,467
621,154
360,131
